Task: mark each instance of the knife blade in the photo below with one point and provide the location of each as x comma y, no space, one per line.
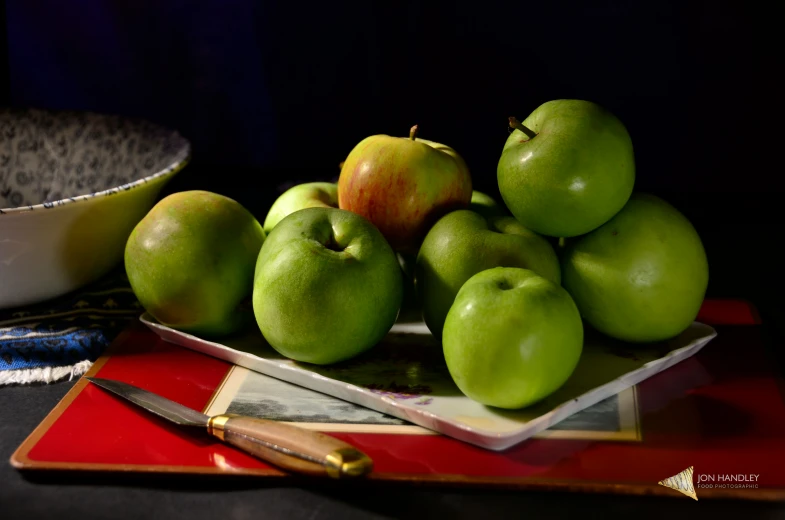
287,446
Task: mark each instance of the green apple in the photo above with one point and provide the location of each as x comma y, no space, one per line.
308,195
642,276
403,185
485,205
511,337
190,262
567,169
327,286
463,243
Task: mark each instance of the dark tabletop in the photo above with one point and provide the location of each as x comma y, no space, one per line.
22,408
60,496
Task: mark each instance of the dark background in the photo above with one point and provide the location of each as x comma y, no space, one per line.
276,93
292,87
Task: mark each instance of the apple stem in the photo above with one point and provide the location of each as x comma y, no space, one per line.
413,132
561,242
514,123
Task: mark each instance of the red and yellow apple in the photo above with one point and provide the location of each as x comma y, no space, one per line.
403,185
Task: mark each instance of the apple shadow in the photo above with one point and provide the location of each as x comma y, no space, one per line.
411,310
602,361
405,365
250,340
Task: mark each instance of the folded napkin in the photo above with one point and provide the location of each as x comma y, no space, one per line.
61,338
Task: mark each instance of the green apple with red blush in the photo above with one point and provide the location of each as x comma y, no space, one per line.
190,262
403,185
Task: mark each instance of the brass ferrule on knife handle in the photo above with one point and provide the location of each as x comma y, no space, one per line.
290,447
217,424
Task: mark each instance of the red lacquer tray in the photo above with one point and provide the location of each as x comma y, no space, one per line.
721,411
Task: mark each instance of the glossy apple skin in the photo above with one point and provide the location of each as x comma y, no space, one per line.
511,337
463,243
403,186
574,175
327,287
307,195
486,206
642,276
190,262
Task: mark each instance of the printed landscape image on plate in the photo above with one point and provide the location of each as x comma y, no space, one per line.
250,393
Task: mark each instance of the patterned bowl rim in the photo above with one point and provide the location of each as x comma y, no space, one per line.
182,158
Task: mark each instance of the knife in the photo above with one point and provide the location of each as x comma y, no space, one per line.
289,447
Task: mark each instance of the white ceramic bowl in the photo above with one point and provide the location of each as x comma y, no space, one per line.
72,188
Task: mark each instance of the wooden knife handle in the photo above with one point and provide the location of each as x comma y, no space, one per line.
290,447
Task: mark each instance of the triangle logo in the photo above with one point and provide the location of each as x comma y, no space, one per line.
681,482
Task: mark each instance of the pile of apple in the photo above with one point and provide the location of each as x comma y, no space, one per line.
508,295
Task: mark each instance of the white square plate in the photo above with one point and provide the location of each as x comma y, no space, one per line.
405,376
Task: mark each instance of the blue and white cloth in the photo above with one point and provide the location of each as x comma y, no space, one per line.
61,338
